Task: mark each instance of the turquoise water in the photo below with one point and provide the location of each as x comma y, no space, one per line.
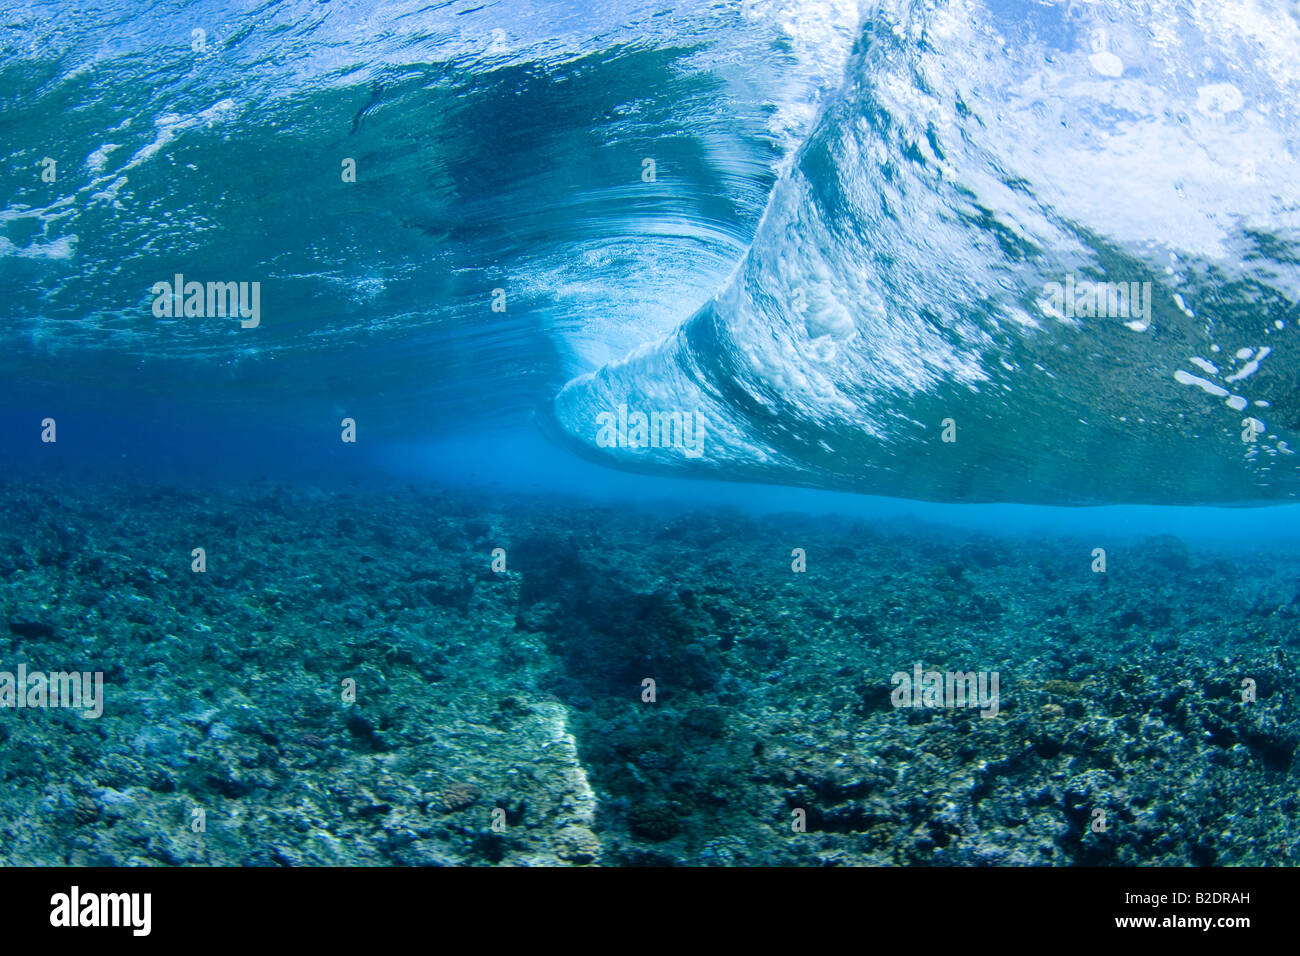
458,224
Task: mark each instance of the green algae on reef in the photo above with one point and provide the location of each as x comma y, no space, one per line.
499,717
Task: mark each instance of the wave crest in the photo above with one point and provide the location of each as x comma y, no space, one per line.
1028,253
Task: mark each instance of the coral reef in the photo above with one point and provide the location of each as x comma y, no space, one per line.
350,682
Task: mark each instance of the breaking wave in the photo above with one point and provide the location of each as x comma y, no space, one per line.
1029,252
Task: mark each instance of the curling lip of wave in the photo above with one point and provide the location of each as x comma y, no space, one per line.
495,145
976,156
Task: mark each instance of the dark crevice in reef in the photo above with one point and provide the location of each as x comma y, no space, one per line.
521,691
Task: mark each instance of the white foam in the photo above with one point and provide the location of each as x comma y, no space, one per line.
1251,367
1187,378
